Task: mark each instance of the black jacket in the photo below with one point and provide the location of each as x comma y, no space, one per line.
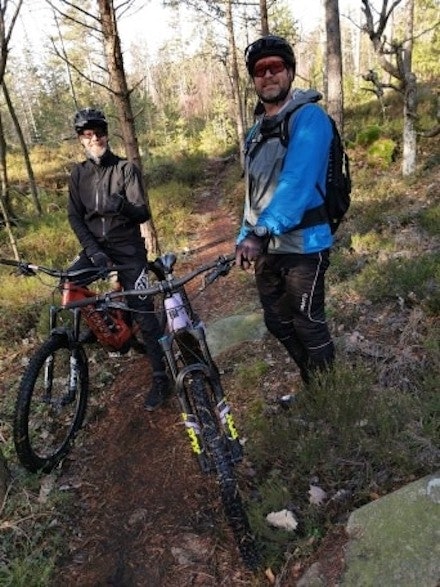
91,205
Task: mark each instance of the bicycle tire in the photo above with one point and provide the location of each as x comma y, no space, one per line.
46,423
216,444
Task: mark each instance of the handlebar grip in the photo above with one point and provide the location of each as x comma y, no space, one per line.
23,268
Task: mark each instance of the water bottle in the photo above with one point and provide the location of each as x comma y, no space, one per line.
177,316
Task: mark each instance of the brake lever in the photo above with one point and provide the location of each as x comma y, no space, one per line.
24,269
220,271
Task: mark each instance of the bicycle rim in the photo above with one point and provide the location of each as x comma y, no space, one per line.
51,404
216,444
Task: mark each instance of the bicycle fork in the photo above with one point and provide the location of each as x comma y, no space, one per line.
72,378
182,379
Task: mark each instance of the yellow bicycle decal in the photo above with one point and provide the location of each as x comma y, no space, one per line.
191,428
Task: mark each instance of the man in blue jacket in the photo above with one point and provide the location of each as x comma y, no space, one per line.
106,207
285,232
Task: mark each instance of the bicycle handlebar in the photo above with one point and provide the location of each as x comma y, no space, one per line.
31,269
220,266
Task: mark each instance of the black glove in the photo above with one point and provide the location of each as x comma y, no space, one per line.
100,259
249,250
115,204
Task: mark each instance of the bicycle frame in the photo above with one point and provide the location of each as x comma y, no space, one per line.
110,327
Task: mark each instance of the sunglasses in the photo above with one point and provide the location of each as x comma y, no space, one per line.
89,134
274,68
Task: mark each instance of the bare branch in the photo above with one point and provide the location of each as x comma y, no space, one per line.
430,133
12,22
56,9
78,71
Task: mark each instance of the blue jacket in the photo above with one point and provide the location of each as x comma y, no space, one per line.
282,183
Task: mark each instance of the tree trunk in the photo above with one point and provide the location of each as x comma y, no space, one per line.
335,93
264,18
409,158
24,149
118,85
396,60
4,200
235,81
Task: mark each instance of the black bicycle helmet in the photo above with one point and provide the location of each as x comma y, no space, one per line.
90,118
266,47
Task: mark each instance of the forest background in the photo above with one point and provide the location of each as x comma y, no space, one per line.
192,101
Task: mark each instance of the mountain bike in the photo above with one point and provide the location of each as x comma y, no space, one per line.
53,393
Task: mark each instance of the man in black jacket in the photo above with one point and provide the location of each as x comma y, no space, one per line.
106,206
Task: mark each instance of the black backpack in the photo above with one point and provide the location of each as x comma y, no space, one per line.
338,181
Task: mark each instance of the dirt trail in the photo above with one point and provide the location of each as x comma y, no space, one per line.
143,515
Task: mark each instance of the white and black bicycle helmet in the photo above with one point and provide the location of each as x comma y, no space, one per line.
90,118
268,46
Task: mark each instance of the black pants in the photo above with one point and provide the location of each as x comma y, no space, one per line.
149,326
292,293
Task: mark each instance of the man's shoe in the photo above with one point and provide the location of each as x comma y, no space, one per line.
158,394
287,401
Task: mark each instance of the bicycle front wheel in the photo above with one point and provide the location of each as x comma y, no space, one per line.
51,404
216,444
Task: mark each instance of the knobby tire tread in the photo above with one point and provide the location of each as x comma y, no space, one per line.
23,445
215,441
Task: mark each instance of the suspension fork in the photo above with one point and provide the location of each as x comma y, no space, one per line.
189,416
73,335
222,406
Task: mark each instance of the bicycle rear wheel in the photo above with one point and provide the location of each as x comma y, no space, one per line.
51,404
216,444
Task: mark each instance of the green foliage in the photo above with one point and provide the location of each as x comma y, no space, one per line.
171,204
370,242
342,432
248,375
185,168
429,219
382,152
30,547
368,135
415,279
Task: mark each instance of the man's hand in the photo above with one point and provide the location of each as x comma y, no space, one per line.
249,250
100,259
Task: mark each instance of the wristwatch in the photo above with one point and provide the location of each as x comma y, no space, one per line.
260,231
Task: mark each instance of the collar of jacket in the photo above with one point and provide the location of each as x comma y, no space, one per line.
298,98
107,160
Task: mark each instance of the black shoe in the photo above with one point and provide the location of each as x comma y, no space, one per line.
287,401
158,394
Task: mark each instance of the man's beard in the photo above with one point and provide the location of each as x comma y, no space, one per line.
280,97
95,154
